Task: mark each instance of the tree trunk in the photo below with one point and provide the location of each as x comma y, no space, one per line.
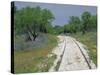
30,35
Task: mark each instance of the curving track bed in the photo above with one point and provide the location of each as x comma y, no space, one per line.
71,55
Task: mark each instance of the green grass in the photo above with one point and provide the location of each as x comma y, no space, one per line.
90,40
35,60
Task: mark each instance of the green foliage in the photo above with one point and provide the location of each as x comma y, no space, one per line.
35,59
58,29
45,20
67,28
86,23
31,21
93,22
50,29
75,24
90,40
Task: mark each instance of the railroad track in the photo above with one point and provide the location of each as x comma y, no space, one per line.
61,56
73,56
88,63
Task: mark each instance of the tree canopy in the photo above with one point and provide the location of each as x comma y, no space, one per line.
32,20
86,22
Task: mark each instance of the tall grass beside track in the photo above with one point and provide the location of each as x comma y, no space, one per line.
35,60
90,40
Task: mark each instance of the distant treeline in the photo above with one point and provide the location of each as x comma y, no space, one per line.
31,21
85,23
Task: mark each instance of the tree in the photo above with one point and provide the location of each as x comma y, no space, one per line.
67,28
31,21
85,21
46,19
75,24
26,21
93,22
58,29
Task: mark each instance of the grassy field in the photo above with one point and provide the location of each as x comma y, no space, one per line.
90,40
36,59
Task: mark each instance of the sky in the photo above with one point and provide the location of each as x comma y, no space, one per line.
61,12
